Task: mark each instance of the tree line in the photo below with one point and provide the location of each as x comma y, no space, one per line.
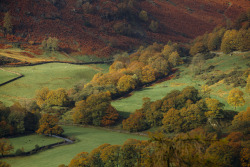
234,38
195,148
182,111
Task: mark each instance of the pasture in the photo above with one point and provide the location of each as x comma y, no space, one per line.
6,76
222,62
28,142
51,75
87,140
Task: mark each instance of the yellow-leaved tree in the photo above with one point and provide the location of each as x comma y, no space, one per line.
126,83
235,98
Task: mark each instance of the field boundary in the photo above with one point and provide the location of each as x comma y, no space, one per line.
11,80
46,62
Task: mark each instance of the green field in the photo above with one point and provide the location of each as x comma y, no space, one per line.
29,142
222,63
6,76
51,75
87,140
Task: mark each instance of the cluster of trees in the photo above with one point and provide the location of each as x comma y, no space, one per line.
196,148
222,39
95,110
49,98
235,38
17,120
179,111
129,72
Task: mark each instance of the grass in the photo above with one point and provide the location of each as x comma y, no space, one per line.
28,142
220,91
6,76
88,139
51,75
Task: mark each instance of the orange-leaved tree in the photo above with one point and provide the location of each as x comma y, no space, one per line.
5,146
49,125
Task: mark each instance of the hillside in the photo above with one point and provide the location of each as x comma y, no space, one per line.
102,27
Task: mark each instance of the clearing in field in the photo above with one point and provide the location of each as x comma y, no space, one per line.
87,140
223,64
51,75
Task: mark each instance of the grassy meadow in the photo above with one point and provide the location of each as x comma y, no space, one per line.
87,140
223,63
28,142
51,75
6,76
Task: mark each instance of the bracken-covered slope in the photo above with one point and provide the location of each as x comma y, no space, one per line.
101,27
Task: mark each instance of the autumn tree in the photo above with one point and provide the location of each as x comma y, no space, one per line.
110,155
135,122
46,97
184,119
235,98
49,125
50,44
95,110
57,97
80,159
110,116
117,65
148,74
241,122
4,164
161,65
126,83
214,39
153,114
129,153
5,146
221,153
95,159
228,43
7,25
198,47
175,59
243,40
41,96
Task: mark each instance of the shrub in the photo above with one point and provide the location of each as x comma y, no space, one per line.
19,151
51,44
153,26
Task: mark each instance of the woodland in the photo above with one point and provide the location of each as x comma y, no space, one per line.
125,83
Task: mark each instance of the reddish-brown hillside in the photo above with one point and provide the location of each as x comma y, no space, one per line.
88,26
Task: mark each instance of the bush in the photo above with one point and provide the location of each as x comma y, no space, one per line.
153,26
37,147
51,44
19,151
